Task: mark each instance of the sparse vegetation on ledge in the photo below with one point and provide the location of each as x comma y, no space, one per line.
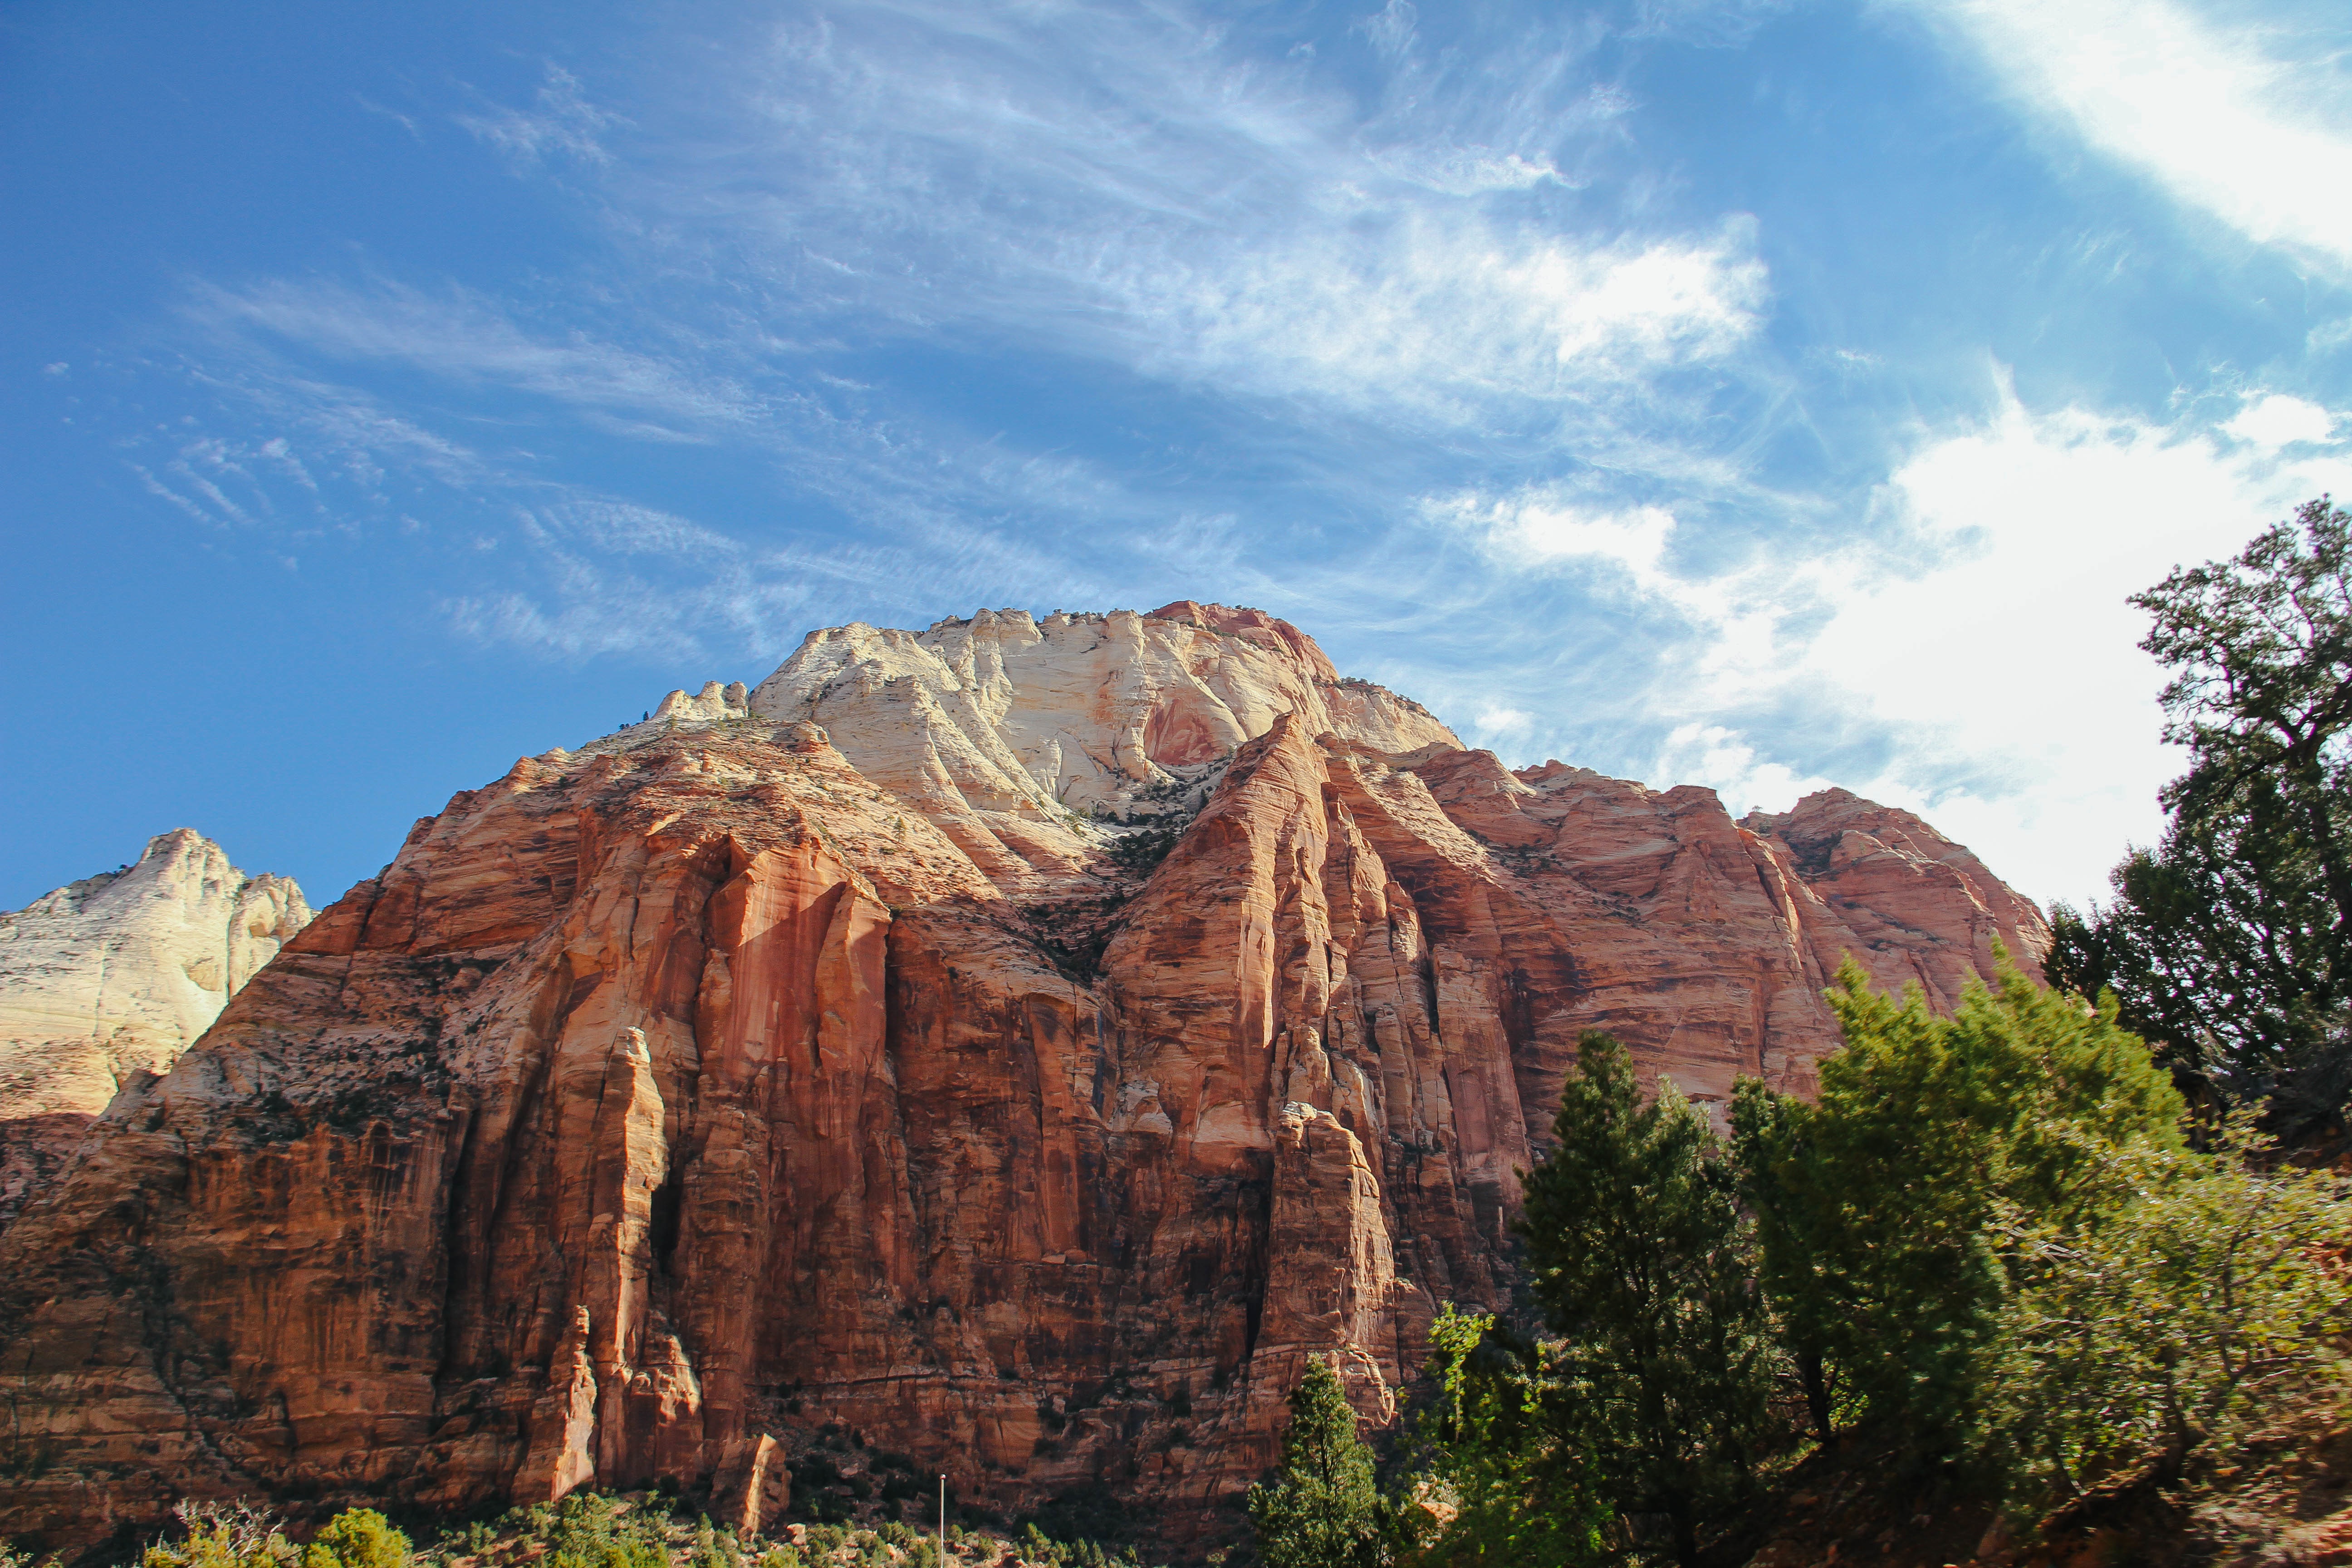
590,1529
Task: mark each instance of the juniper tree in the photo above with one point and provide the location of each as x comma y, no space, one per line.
1878,1202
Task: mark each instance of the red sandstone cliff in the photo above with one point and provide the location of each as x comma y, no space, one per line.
802,1057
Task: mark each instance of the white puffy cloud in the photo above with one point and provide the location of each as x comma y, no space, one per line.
1981,645
1541,526
2279,420
2011,659
1495,723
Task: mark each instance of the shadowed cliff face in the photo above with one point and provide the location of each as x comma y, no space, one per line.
662,1103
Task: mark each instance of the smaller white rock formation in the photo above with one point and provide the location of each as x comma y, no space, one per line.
714,704
119,973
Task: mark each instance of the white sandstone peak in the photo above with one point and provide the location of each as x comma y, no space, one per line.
123,970
1027,740
1014,733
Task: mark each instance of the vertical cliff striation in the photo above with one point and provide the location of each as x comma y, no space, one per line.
871,1048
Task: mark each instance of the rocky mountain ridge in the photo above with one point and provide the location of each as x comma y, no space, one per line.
840,1054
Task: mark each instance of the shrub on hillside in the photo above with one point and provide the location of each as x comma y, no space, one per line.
224,1535
2168,1325
358,1538
1501,1484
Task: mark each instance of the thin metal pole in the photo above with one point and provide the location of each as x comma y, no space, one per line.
943,1521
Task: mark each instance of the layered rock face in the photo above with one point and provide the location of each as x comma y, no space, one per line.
115,975
832,1053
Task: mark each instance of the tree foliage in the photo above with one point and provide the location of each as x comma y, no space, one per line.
2164,1321
358,1538
1322,1507
588,1530
243,1535
1643,1268
224,1535
1877,1203
2231,940
1502,1485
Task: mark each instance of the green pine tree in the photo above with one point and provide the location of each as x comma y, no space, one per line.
1646,1269
1321,1508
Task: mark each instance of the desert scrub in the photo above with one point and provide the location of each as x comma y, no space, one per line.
242,1535
588,1530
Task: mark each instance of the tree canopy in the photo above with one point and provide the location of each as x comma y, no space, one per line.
1877,1202
2229,941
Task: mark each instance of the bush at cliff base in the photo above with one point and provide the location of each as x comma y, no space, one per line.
357,1538
1503,1483
1989,1237
589,1530
239,1535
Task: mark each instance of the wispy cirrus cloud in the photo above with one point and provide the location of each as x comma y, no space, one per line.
1342,286
1130,187
2226,113
457,335
560,123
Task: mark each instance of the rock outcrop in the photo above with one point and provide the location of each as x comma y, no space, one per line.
114,977
840,1056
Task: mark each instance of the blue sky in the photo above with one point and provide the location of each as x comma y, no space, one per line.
1752,395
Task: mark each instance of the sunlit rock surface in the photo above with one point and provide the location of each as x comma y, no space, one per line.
841,1054
115,975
